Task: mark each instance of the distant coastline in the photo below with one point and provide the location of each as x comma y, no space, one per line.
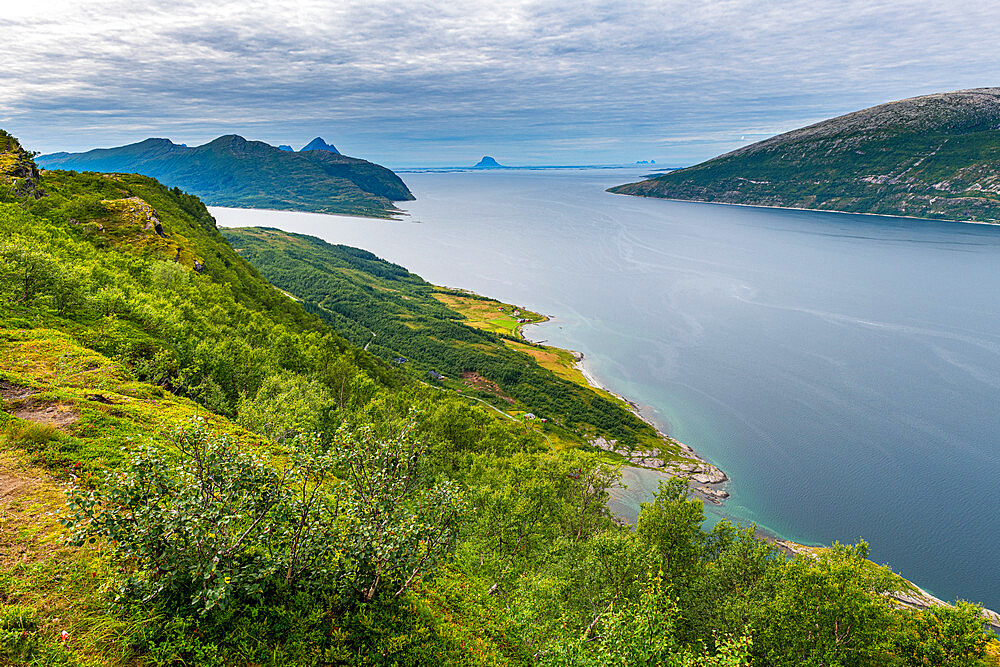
817,210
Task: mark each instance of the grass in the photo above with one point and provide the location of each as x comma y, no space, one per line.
112,411
61,588
485,314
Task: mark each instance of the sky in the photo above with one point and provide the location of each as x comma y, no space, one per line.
444,82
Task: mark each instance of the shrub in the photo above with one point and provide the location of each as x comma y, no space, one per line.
219,523
193,533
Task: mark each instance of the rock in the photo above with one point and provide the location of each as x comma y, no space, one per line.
700,472
198,266
318,144
18,171
713,495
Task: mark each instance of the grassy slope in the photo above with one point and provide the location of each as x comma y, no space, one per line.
231,171
463,336
102,411
934,157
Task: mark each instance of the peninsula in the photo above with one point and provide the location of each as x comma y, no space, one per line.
934,156
232,171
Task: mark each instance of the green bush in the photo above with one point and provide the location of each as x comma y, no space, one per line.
219,524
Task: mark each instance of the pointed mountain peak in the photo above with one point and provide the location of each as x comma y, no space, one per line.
318,144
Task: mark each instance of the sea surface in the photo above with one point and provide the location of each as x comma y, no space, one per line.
844,370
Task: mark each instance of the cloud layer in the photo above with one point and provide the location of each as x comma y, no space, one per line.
410,83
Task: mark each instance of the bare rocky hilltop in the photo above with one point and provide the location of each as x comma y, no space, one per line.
934,156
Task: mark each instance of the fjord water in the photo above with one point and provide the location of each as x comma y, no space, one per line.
843,369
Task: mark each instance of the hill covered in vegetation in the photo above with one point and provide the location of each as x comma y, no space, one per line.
399,317
935,156
231,171
195,469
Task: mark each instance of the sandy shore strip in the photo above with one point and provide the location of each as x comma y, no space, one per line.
633,406
695,468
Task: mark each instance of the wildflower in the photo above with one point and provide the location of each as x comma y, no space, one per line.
65,635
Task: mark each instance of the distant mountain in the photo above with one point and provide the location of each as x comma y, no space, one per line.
285,147
231,171
487,163
318,144
935,156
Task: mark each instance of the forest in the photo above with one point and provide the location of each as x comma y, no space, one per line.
196,469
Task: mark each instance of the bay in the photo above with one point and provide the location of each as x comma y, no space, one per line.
844,370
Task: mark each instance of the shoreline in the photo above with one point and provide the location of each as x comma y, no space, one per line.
918,598
708,477
817,210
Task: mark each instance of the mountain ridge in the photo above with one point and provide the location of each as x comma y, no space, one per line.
233,171
318,144
932,156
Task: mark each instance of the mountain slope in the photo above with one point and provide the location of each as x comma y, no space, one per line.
935,156
231,171
395,314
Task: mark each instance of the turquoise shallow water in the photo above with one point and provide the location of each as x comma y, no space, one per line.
843,369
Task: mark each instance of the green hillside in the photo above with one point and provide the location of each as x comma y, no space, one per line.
396,315
195,470
935,156
231,171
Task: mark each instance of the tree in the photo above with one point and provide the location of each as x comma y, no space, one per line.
830,608
669,528
398,531
642,634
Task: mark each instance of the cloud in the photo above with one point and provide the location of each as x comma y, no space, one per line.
418,82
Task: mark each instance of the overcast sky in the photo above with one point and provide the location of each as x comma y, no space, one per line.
410,83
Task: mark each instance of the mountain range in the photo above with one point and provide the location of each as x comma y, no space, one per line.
232,171
934,156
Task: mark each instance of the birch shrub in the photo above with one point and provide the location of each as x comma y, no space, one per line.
216,523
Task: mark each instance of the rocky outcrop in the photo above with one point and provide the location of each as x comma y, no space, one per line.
19,175
713,495
693,468
136,211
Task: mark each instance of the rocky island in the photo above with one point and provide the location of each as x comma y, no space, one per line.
488,163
